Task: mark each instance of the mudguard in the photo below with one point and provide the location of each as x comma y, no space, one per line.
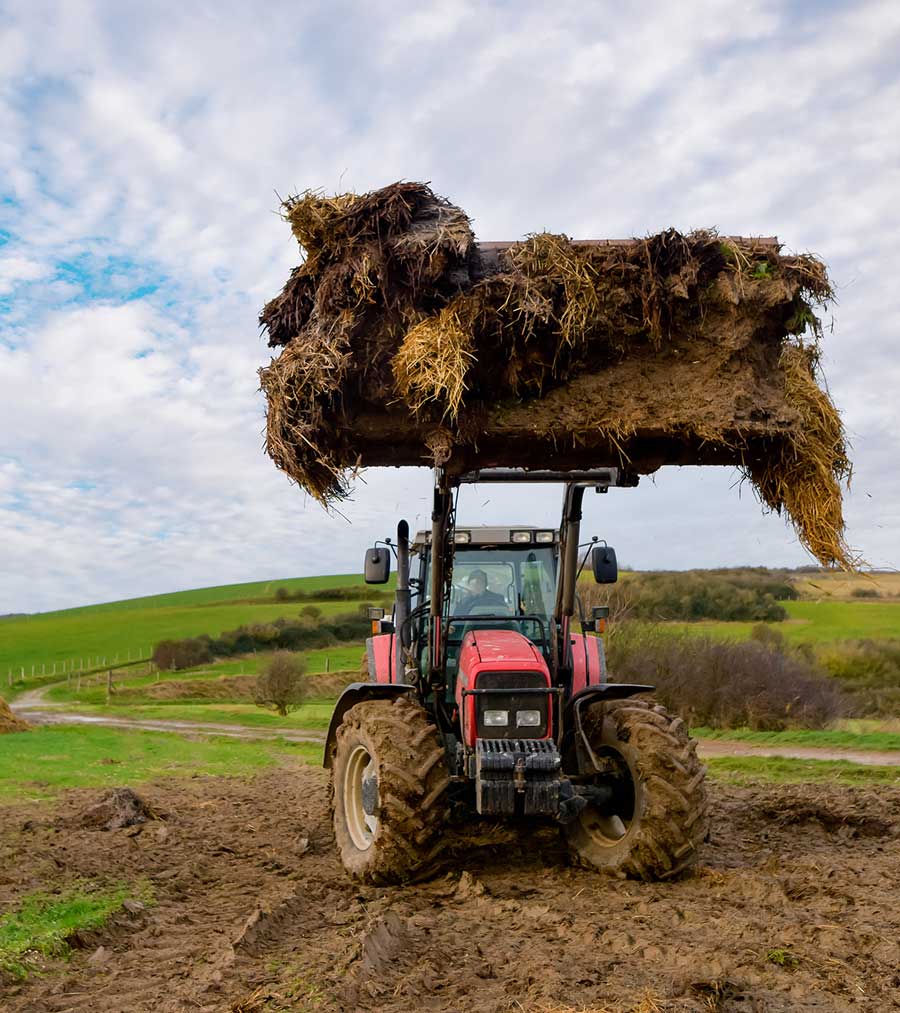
574,737
355,693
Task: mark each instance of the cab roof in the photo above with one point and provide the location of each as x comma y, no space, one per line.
485,535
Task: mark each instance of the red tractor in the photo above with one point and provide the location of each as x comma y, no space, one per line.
483,697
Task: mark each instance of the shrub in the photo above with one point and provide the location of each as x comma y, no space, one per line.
769,636
171,655
870,672
865,592
281,685
311,611
724,684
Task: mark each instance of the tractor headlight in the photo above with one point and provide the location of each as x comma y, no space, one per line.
528,719
495,719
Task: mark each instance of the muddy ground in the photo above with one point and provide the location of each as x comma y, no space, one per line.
796,907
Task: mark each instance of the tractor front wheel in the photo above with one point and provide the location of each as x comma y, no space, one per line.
656,819
389,781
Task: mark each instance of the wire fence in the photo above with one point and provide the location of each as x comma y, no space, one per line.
82,666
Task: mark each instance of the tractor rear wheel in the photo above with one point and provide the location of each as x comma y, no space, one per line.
389,781
656,821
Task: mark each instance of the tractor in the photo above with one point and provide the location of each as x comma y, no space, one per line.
485,699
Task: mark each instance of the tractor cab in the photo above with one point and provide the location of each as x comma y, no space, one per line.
500,578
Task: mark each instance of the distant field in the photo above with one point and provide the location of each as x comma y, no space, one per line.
839,585
817,622
130,628
134,626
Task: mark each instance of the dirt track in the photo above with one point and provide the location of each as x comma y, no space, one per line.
254,913
34,708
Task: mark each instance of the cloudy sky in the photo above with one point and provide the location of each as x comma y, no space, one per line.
141,150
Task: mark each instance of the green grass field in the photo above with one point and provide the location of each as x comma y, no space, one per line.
42,924
747,770
816,622
38,764
830,738
134,626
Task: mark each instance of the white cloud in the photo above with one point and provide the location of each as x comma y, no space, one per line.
15,270
130,456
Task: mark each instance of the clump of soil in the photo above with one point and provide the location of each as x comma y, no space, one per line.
118,808
10,722
405,342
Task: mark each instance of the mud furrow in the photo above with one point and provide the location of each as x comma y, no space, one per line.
793,908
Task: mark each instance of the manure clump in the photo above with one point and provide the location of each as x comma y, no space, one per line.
406,342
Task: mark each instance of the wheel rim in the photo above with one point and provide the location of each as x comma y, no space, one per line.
359,774
610,824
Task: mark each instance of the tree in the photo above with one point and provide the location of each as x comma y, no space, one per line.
281,685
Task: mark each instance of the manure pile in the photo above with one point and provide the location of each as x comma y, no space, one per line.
406,342
9,722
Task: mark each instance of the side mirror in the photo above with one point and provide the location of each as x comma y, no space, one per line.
378,566
604,565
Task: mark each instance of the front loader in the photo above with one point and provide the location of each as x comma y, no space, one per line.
484,697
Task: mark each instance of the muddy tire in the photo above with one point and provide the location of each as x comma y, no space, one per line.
657,820
389,784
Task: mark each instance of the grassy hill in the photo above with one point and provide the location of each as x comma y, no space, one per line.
831,610
132,627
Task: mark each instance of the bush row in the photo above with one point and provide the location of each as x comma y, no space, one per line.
725,684
363,593
289,634
739,595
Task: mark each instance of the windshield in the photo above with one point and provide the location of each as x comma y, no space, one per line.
506,581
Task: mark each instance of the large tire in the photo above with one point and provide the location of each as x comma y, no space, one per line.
394,742
657,820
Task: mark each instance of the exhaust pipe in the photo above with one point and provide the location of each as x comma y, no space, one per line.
401,600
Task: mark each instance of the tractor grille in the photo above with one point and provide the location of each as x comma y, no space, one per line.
540,754
502,695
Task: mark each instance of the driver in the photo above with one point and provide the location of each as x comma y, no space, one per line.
479,596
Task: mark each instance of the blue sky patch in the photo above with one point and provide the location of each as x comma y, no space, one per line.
112,277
